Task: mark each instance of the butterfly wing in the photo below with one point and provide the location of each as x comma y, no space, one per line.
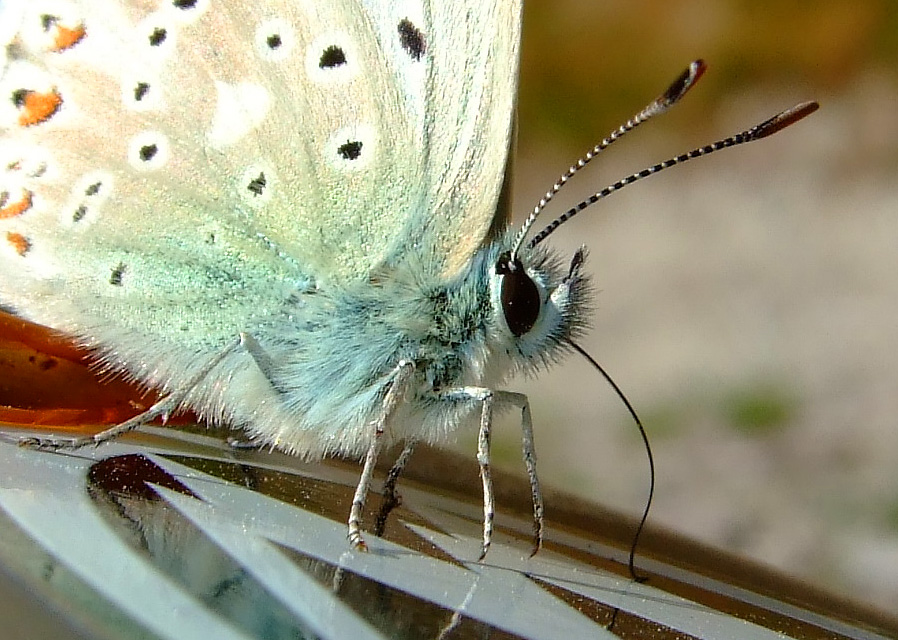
467,124
178,169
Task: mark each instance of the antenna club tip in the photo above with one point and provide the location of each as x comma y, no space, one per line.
682,84
698,67
807,108
787,118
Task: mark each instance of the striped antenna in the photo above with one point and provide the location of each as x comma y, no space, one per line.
777,123
659,105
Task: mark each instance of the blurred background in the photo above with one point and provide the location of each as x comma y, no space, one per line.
747,302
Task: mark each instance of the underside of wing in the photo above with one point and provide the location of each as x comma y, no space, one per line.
194,164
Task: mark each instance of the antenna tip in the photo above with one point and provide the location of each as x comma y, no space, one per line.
684,82
786,118
698,67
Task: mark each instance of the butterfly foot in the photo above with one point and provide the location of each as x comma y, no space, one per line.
53,443
356,541
243,445
537,533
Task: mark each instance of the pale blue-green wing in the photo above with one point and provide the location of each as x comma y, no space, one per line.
178,168
118,214
467,120
404,111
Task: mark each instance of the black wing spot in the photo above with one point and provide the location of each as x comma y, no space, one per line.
184,4
274,41
158,36
79,214
141,89
148,152
332,57
411,39
93,189
118,273
351,150
48,21
257,185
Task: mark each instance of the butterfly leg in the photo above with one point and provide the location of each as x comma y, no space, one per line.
484,438
391,499
162,408
487,397
397,389
258,354
529,452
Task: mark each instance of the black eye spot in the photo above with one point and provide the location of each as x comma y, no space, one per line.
184,4
141,89
411,39
521,303
118,273
93,189
79,214
350,150
332,57
257,185
274,41
147,152
158,36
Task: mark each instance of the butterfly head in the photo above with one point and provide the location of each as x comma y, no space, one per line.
540,302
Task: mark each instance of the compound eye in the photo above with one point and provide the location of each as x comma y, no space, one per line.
519,295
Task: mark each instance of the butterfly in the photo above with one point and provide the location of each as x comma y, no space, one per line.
288,217
282,215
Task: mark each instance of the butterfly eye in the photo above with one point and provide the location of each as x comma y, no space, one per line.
519,294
